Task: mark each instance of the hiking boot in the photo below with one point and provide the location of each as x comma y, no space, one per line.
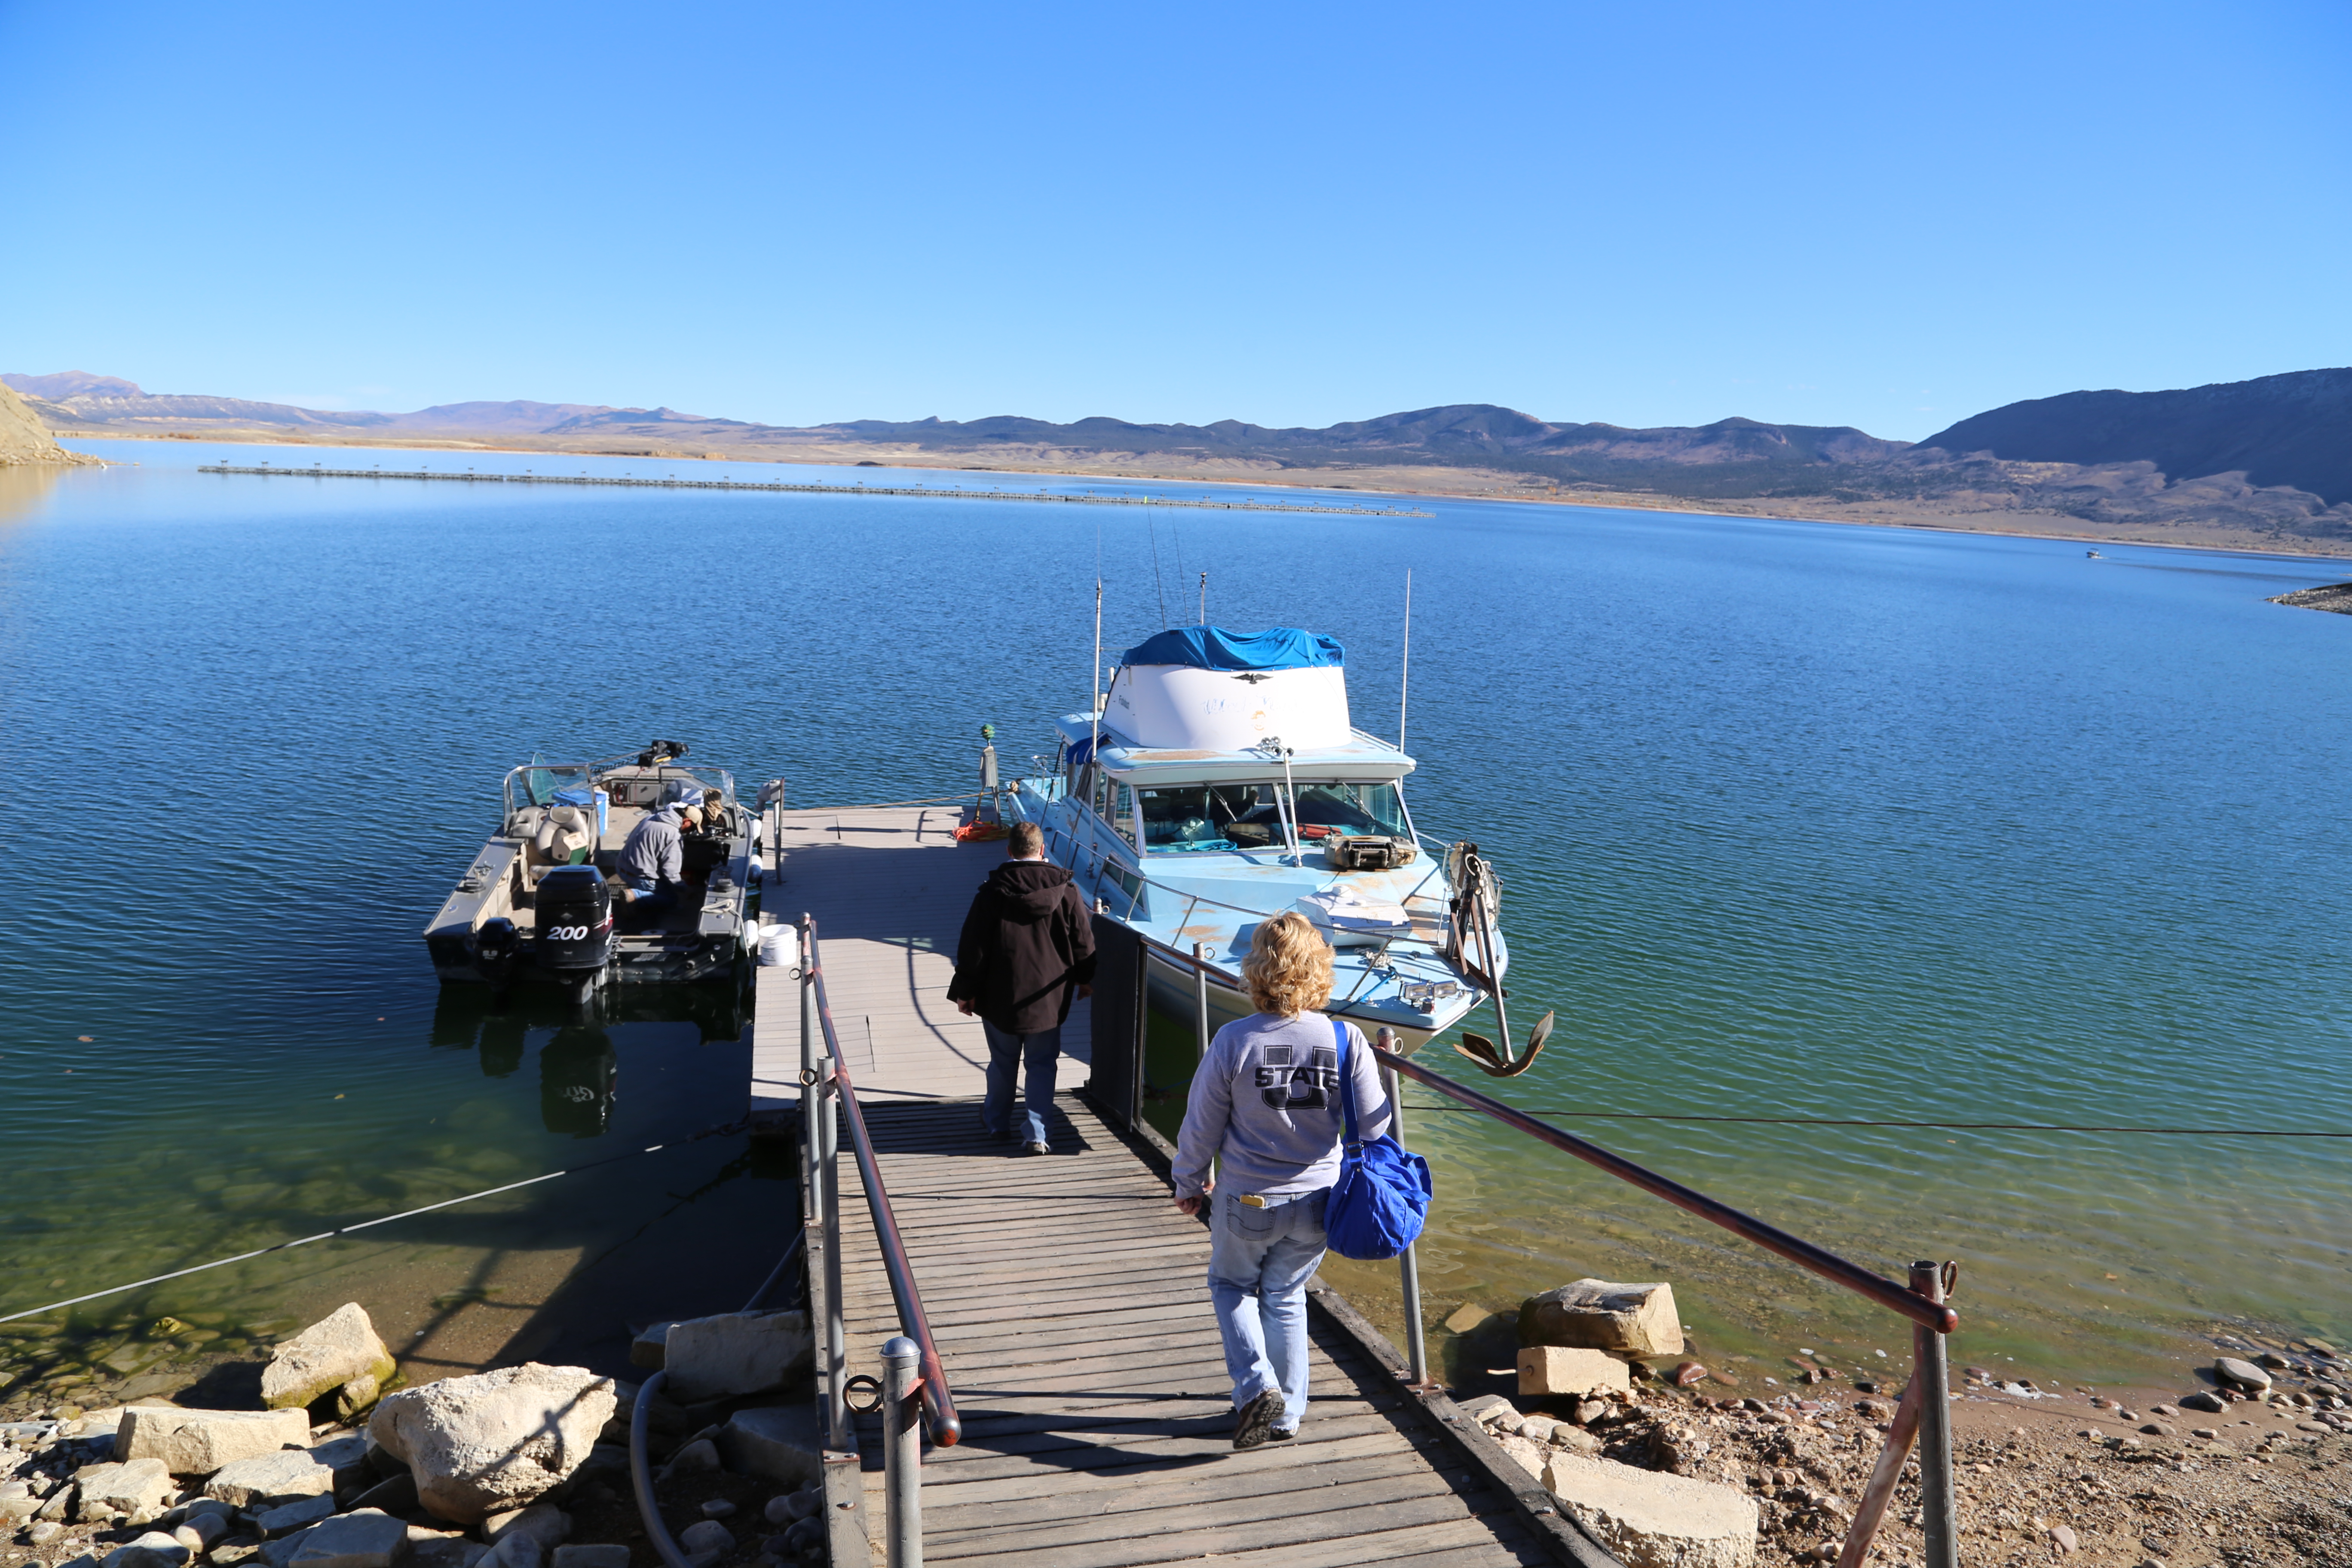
1256,1425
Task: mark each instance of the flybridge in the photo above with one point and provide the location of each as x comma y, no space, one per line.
1203,689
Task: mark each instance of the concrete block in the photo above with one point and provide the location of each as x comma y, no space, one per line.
365,1539
734,1355
288,1518
268,1480
1649,1519
1631,1319
198,1442
1561,1368
779,1443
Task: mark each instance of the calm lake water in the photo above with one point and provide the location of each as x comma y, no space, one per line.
1796,820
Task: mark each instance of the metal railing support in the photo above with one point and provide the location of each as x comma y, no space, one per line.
820,1201
1931,1376
1416,1352
902,1450
1200,997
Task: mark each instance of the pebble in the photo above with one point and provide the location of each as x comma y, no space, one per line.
2245,1373
2063,1538
2210,1434
1689,1373
2162,1410
706,1535
2200,1400
718,1508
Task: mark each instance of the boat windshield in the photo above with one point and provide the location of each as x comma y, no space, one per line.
1192,818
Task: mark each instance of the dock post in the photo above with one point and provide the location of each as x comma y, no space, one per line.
1200,997
902,1451
1416,1350
1939,1524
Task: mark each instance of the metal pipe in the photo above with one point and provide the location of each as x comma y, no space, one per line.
1408,1265
1931,1376
1200,997
1872,1508
902,1451
946,1426
1918,1308
836,1318
641,1480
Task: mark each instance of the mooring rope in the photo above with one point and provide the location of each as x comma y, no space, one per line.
1946,1126
735,1126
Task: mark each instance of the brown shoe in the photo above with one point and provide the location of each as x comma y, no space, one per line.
1256,1425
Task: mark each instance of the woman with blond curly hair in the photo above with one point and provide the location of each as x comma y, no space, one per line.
1266,1099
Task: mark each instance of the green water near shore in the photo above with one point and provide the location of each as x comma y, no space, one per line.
1796,820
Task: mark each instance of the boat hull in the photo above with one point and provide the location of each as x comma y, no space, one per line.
1170,987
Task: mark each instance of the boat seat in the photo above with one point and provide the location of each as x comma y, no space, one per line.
563,838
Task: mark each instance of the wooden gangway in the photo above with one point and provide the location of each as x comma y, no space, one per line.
1067,1293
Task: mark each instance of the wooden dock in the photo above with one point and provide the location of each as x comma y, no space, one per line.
1067,1293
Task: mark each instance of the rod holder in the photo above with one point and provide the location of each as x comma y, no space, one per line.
1201,997
902,1450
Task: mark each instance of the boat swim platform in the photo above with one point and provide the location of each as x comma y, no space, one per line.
1067,1295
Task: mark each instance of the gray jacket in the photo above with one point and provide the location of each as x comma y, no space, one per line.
1267,1098
655,852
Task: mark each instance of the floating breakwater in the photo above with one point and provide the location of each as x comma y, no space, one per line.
953,492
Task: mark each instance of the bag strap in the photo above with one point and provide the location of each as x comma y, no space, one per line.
1347,1087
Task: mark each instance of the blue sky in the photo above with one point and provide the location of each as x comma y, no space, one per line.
1888,216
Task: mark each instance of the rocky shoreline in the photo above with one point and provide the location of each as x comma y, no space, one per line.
523,1467
2249,1463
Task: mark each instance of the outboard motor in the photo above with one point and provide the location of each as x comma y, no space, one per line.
575,922
497,947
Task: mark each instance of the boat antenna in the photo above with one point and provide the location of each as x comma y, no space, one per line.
1157,584
1404,665
1204,599
1094,679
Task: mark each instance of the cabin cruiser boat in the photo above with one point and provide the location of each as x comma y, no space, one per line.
541,900
1220,782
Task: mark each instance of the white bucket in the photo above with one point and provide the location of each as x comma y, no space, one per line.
779,945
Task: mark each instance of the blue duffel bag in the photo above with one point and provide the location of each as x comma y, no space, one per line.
1380,1201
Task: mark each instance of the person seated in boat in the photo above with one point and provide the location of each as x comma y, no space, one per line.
653,862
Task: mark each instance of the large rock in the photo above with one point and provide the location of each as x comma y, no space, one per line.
1561,1369
778,1443
198,1442
1652,1520
736,1353
153,1550
338,1351
484,1444
365,1539
270,1480
135,1489
2243,1373
1631,1319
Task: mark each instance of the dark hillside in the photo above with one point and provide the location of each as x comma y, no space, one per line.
2294,429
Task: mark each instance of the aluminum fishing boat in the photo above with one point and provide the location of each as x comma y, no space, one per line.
1219,782
538,901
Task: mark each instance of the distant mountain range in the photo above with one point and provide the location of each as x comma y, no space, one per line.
2294,429
2272,455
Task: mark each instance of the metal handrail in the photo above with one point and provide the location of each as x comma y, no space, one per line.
1804,1253
939,1403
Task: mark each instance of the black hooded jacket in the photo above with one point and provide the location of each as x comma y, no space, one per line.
1027,946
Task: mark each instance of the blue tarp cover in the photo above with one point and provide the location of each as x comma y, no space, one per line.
1213,647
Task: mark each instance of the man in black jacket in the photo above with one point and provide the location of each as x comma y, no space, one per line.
1028,949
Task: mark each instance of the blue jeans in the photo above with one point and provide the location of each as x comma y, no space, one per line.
1006,1054
652,897
1259,1263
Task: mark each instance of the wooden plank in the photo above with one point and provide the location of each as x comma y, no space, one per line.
1066,1291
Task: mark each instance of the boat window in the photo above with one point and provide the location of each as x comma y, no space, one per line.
1126,819
1189,818
1328,808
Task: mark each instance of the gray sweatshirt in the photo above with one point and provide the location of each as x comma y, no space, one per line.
1267,1098
655,851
